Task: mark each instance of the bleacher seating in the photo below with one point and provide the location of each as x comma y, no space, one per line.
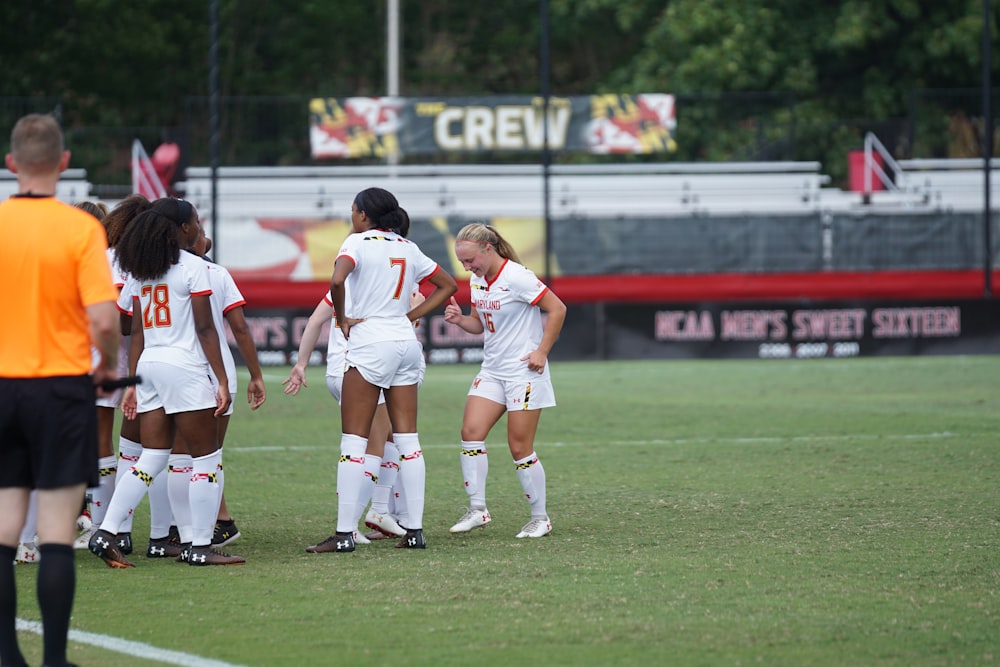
640,190
72,188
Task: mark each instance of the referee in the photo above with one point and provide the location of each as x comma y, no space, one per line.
57,300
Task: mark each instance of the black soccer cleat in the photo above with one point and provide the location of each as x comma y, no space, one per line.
336,543
414,539
208,555
104,545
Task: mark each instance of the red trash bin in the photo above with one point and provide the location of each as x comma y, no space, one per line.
856,171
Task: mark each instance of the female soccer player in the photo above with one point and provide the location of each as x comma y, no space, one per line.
507,303
172,337
381,455
382,269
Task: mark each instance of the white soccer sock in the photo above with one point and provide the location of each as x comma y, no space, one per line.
350,479
203,492
532,476
475,466
100,495
30,526
129,452
222,483
178,492
413,473
132,487
160,515
386,479
372,465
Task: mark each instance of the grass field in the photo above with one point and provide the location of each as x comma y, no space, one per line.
822,512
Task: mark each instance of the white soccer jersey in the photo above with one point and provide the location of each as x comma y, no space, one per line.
512,322
117,275
225,296
165,308
336,346
95,354
387,268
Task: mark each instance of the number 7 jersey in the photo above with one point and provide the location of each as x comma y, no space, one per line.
387,268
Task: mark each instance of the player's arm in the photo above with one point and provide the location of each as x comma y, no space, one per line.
444,288
125,321
256,392
101,322
338,291
136,341
204,326
555,311
310,336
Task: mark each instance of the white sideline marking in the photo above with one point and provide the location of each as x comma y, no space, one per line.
126,647
334,445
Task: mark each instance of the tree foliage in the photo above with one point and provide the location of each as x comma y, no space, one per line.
138,64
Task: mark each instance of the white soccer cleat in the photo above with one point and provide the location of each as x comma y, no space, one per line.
473,518
536,528
384,523
361,539
84,523
83,541
27,552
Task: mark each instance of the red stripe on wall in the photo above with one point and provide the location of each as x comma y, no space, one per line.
833,286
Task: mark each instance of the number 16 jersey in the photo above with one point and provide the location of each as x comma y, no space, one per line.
512,320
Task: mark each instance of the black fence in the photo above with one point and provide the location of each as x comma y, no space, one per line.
273,131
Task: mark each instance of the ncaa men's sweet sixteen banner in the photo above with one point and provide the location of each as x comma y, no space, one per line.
600,124
648,331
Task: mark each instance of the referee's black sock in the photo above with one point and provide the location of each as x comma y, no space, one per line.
56,588
10,652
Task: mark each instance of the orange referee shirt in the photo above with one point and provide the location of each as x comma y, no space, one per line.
53,264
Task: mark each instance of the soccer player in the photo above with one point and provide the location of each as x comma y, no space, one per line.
382,268
507,303
176,349
227,304
381,455
106,406
58,300
129,446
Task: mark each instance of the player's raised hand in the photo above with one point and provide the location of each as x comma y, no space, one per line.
452,312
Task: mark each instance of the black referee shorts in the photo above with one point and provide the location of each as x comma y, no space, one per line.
48,432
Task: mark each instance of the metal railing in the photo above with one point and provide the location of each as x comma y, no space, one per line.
872,166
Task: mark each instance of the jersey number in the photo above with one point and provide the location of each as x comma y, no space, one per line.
488,321
401,263
157,310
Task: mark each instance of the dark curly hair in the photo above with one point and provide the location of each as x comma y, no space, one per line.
149,246
123,213
98,209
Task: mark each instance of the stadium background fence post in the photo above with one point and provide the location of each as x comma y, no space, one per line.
543,62
392,62
987,155
213,115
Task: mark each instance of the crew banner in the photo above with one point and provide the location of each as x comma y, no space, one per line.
366,127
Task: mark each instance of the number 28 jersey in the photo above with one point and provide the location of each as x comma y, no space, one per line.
512,320
167,316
